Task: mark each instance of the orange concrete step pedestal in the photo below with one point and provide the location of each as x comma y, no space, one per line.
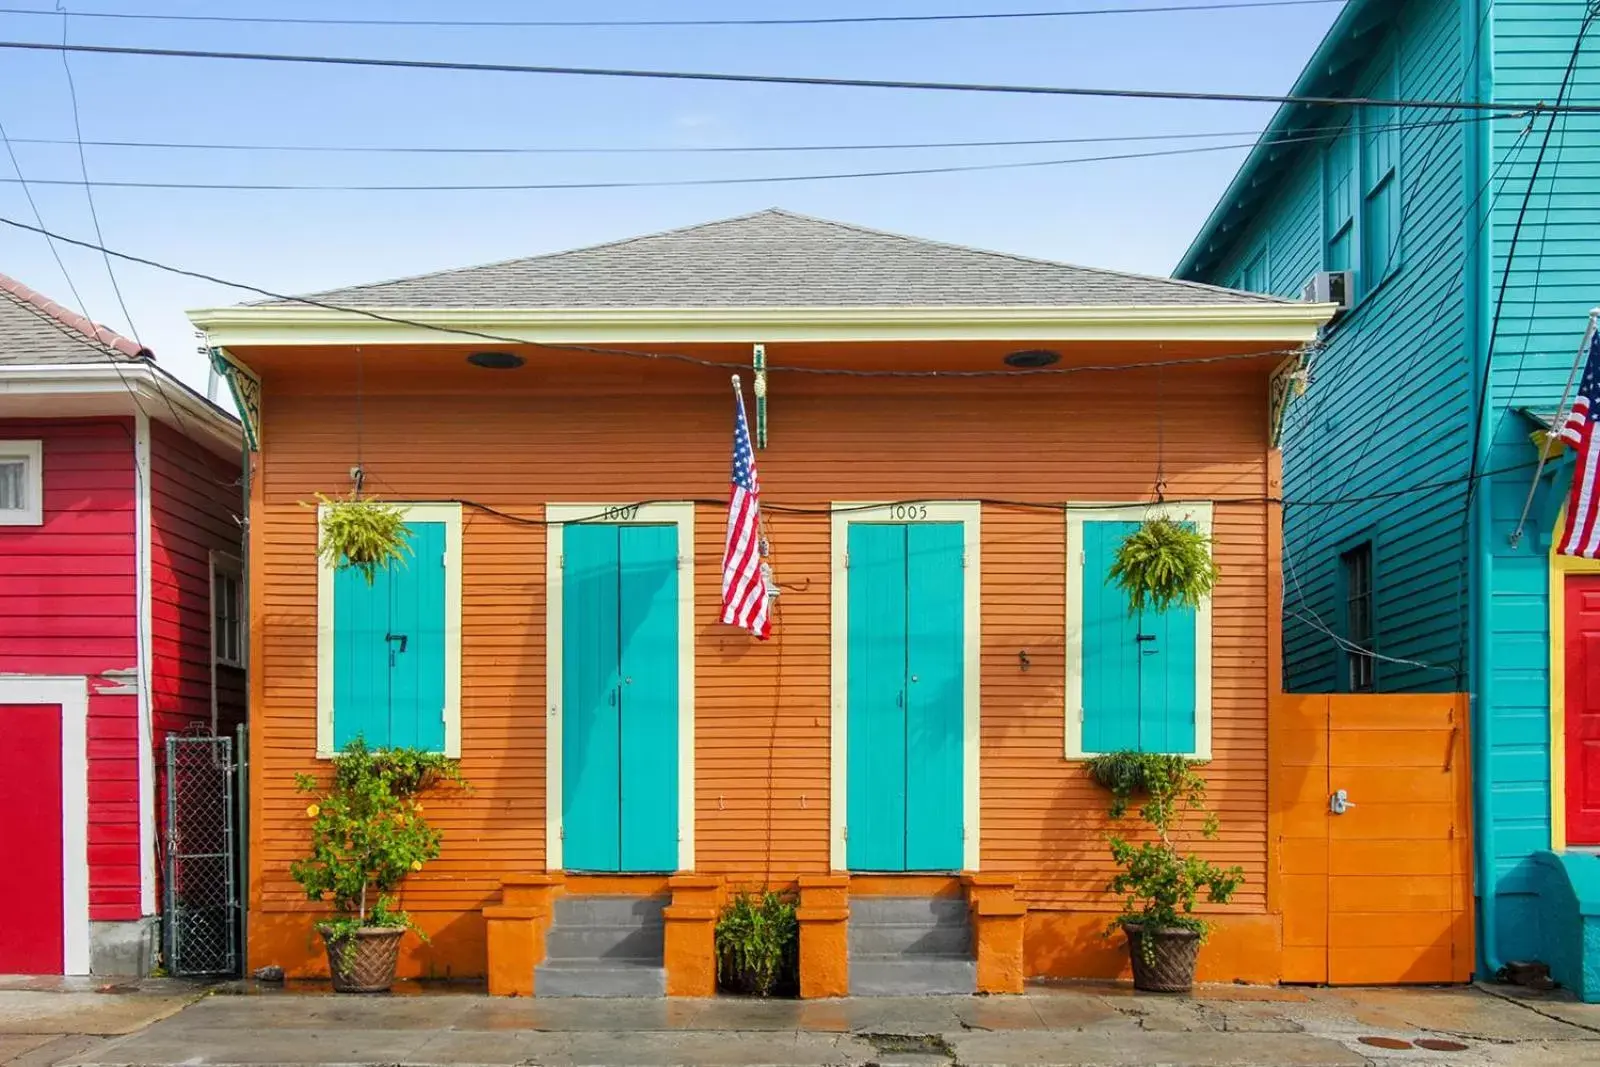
998,922
824,916
691,934
516,930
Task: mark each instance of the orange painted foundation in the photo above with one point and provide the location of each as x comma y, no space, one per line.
691,935
824,936
1071,944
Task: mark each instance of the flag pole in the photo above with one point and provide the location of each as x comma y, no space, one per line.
1557,420
738,386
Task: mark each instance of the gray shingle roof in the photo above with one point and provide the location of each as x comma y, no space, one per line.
36,329
777,258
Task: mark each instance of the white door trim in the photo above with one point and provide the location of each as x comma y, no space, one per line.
1078,513
557,515
969,514
71,692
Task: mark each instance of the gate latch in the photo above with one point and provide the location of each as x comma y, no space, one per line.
1340,802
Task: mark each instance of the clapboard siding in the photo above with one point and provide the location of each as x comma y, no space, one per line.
1393,373
1552,283
762,709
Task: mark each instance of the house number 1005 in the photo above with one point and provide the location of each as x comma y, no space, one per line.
908,511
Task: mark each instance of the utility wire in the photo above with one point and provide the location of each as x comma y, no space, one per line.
667,149
662,357
842,20
657,183
88,189
1586,107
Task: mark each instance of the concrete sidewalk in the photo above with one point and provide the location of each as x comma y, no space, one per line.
1077,1024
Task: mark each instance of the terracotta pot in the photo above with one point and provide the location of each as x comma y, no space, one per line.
363,962
1168,964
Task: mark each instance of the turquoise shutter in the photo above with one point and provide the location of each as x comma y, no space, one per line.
360,658
1166,681
876,795
648,596
935,619
591,731
416,640
1110,665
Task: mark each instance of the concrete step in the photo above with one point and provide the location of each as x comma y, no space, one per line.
912,976
912,939
631,941
596,978
609,911
908,911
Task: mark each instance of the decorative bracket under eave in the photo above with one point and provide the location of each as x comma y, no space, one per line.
246,390
1287,383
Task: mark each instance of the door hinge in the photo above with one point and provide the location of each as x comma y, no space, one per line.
680,563
844,833
561,833
847,561
561,560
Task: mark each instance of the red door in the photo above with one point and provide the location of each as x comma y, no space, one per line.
31,940
1583,710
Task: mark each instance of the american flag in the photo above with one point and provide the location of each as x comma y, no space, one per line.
1582,534
744,582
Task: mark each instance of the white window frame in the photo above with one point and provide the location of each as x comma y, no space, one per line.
32,455
1201,515
450,515
969,514
617,514
226,566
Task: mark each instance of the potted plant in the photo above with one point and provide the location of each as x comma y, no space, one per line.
1160,883
363,534
367,834
757,942
1163,564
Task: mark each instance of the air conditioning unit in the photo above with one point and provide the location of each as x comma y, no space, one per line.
1330,287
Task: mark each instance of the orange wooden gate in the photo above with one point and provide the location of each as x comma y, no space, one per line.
1382,892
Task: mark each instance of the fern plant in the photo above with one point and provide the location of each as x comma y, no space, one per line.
1164,564
757,942
363,534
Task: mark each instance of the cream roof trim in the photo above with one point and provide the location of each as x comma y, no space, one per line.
244,327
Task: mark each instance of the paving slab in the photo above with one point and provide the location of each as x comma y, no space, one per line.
24,1011
1150,1050
203,1045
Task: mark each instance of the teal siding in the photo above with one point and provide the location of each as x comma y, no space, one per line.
1392,401
619,743
389,649
1553,282
904,693
1388,404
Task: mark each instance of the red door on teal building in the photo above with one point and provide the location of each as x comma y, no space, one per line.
1582,732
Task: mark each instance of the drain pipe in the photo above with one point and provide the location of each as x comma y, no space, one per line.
1478,85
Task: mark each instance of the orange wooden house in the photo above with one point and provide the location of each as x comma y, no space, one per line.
953,437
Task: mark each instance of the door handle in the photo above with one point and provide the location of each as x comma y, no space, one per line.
397,637
1145,637
900,699
1340,802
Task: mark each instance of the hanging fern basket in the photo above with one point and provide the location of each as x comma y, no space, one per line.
1164,564
365,535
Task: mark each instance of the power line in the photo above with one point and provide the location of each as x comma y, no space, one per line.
659,183
677,149
662,357
843,20
796,79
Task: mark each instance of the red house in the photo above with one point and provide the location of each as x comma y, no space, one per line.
120,540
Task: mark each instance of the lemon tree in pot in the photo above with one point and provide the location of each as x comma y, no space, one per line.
1159,882
368,832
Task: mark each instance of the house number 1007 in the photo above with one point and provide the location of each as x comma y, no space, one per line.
626,513
908,511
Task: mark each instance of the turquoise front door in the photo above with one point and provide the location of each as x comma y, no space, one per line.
904,694
389,649
619,742
1138,669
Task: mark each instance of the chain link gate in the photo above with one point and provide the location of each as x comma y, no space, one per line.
202,899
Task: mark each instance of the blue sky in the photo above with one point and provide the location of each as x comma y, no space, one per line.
1132,214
